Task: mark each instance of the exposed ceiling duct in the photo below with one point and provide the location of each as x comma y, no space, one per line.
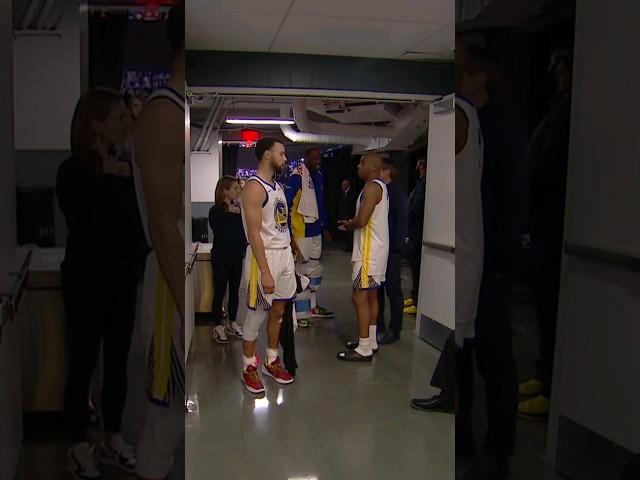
39,15
369,143
303,122
343,134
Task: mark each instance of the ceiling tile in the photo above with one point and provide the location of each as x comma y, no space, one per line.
232,31
425,11
237,6
442,41
349,37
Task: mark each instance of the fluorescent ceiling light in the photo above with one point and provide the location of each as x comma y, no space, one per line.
260,121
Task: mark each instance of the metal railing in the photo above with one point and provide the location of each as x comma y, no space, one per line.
10,300
188,267
439,246
613,259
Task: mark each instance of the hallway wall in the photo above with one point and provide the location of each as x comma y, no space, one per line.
10,393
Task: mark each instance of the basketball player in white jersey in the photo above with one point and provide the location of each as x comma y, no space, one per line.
369,258
269,270
158,169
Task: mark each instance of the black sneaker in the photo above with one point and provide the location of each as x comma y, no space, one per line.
321,312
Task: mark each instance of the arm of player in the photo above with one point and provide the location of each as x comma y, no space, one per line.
462,125
297,253
371,196
253,198
159,149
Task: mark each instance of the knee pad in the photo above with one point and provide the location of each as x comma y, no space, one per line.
252,323
315,270
303,304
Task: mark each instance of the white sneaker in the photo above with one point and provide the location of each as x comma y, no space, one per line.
118,453
81,464
234,330
219,335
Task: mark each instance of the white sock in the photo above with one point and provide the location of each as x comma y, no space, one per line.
372,336
364,347
249,361
314,299
272,354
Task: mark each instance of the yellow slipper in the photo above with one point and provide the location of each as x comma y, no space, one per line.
530,388
536,407
408,302
412,310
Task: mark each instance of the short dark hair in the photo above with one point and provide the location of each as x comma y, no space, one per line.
312,149
263,145
175,27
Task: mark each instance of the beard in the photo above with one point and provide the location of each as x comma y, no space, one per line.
279,168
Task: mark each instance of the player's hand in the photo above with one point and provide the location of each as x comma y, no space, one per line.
327,236
113,166
268,284
345,224
297,254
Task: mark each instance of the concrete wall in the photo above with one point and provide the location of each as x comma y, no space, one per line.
10,372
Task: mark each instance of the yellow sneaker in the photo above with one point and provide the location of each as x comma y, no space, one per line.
412,310
530,388
408,302
536,407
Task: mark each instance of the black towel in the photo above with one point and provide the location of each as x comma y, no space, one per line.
287,339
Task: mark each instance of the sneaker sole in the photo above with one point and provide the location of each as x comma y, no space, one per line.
251,390
534,418
220,341
115,463
77,476
72,470
321,316
281,382
233,334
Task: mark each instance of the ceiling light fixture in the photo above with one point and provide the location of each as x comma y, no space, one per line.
260,121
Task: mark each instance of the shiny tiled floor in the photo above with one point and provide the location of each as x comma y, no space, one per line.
337,421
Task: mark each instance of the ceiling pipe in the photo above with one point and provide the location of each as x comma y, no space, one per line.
369,143
366,142
44,14
303,122
29,14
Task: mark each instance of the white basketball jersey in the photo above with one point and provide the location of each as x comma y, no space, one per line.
275,215
166,93
469,225
371,243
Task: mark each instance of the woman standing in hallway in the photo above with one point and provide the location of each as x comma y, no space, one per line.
101,270
227,255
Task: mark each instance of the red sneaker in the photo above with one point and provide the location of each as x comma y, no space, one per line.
251,380
277,372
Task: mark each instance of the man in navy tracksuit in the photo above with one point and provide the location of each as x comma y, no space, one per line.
398,225
308,234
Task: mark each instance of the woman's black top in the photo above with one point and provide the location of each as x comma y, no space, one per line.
102,215
229,239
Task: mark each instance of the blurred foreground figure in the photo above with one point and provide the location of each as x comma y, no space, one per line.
159,173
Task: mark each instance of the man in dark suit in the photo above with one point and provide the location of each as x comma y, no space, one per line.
346,211
416,223
398,225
